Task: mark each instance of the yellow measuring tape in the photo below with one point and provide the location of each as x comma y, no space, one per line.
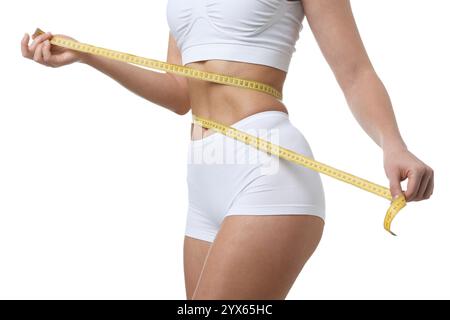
266,146
164,66
310,163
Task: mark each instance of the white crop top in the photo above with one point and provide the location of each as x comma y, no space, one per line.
253,31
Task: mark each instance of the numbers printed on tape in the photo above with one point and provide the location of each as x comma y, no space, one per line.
163,66
289,155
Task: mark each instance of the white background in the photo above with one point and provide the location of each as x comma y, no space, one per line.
92,177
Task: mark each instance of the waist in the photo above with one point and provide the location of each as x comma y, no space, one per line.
228,104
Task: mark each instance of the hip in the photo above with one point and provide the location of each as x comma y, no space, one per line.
220,169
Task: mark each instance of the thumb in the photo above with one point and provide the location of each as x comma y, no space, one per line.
394,186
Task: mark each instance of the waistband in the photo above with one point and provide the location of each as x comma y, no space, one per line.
261,120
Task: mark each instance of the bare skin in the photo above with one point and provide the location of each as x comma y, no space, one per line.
259,257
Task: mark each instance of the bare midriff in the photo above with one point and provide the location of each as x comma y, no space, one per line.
228,104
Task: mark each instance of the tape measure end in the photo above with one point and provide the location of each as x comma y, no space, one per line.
388,229
38,32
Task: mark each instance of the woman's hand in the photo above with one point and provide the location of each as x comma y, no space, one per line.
402,164
44,53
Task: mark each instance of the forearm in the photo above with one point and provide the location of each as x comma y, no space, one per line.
157,87
370,104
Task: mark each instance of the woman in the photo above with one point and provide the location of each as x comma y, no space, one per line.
249,232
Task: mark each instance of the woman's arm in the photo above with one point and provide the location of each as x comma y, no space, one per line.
335,30
165,89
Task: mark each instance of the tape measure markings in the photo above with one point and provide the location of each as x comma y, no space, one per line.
292,156
164,66
289,155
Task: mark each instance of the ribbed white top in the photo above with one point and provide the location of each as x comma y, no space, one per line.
253,31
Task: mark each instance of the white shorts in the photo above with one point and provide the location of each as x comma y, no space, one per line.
227,177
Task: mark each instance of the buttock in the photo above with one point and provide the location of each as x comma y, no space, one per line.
227,177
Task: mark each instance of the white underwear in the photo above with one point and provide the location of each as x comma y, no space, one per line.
227,177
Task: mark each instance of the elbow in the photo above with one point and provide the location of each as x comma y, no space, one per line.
181,103
182,109
351,77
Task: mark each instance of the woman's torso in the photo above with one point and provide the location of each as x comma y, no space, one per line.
229,104
263,33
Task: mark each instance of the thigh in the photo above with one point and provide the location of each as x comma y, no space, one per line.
194,255
258,257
